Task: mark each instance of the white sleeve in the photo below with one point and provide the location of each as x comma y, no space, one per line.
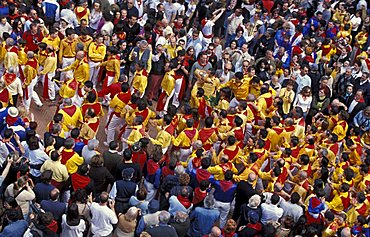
113,192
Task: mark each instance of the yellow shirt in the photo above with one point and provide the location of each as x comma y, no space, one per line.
287,97
50,64
41,57
86,131
171,51
168,82
53,42
68,89
218,172
30,73
240,89
82,13
10,60
149,63
73,163
140,81
182,140
117,104
72,116
22,56
81,70
86,42
264,107
67,49
60,173
112,65
135,135
341,130
163,138
97,52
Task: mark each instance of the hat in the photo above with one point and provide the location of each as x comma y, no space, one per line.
259,22
160,41
314,66
128,173
253,217
315,206
153,206
13,112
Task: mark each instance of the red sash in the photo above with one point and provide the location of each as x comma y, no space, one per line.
231,153
70,110
190,133
205,134
81,13
269,101
66,155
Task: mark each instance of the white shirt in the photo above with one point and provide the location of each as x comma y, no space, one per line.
304,104
108,28
234,23
270,212
356,21
16,87
72,231
70,16
352,106
102,219
292,210
5,28
303,81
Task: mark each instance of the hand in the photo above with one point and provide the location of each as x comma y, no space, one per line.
59,70
16,137
10,160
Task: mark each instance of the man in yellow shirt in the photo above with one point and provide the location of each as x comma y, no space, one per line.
30,72
185,139
112,66
164,136
96,53
72,116
265,102
80,68
52,39
342,126
140,80
85,39
239,87
67,50
140,53
48,73
116,105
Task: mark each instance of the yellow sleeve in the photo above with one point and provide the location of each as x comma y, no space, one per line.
117,70
86,132
70,67
61,50
86,71
264,175
29,73
143,84
134,137
215,170
48,66
179,139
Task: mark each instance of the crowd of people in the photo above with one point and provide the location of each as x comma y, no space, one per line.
222,118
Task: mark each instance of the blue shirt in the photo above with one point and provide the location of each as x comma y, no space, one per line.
224,195
203,221
42,191
15,229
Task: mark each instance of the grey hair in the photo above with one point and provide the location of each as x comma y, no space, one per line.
324,152
181,217
30,54
254,201
10,41
179,170
92,144
209,202
132,213
164,217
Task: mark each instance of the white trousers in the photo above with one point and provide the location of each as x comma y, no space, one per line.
223,208
115,122
94,72
178,84
32,95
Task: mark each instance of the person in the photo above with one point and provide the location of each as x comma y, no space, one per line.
103,216
48,72
271,212
96,55
163,229
99,174
72,224
111,157
53,205
203,218
127,222
30,71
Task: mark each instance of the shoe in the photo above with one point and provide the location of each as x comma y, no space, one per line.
39,106
105,144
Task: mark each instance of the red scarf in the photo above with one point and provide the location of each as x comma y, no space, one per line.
184,201
151,167
10,120
202,65
225,185
9,78
79,181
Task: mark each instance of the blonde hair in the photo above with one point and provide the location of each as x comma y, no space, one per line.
255,201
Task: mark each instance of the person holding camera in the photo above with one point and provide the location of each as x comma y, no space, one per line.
103,216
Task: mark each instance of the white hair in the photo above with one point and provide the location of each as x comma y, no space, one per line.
254,201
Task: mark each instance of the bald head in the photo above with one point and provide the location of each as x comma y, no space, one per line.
251,177
215,231
30,54
302,175
80,55
278,187
54,194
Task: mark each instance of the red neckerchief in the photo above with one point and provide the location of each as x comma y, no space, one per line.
225,185
184,201
9,78
151,167
11,120
202,65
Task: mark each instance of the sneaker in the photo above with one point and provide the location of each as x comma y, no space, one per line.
105,144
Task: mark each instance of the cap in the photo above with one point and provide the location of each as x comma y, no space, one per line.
315,206
314,66
13,112
153,206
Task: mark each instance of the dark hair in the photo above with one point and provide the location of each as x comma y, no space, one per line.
8,133
91,97
205,163
75,133
33,143
46,176
127,154
294,199
69,143
231,140
275,199
73,216
54,156
113,145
